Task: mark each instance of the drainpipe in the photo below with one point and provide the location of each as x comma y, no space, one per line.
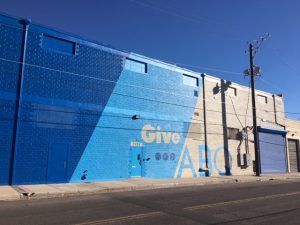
17,113
275,112
205,126
285,137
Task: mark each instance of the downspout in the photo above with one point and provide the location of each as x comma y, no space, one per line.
285,137
205,126
275,112
17,113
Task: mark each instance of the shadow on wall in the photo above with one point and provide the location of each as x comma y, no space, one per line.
216,90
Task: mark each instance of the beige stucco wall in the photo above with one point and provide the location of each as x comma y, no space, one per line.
293,128
234,111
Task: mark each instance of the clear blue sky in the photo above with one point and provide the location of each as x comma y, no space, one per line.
206,34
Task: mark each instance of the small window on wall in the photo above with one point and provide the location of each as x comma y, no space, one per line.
262,99
135,66
190,80
58,45
233,133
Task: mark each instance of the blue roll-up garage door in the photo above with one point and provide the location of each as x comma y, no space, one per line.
272,151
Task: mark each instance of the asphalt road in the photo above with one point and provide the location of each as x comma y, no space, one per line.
271,202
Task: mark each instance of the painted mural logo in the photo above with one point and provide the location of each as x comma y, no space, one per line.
191,161
151,134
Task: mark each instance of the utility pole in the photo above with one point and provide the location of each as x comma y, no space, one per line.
256,146
255,71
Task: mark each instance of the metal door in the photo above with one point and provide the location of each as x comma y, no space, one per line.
136,162
293,156
57,163
272,153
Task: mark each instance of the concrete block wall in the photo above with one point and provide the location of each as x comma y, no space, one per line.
229,106
78,95
293,128
81,97
10,45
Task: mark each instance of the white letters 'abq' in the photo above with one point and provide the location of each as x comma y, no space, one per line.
149,135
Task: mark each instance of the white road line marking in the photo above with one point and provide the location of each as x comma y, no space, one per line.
240,201
123,218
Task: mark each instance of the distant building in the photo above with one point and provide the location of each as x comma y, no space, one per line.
73,110
293,137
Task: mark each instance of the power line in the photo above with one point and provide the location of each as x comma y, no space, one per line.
278,56
271,84
186,17
194,66
73,35
167,61
236,112
105,127
205,68
95,78
114,81
129,85
191,122
253,48
169,103
183,64
120,128
296,113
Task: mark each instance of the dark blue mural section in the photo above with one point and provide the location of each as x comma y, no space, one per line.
10,45
63,97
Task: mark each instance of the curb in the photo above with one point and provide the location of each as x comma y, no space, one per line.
132,188
22,194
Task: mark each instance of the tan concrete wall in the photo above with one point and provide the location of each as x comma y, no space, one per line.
236,110
293,128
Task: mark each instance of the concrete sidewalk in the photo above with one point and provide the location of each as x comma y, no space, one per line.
60,190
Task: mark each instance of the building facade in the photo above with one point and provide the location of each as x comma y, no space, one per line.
293,137
74,110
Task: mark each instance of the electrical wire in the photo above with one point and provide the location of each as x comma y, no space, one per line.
271,84
213,69
136,86
178,105
105,127
124,95
199,20
167,61
122,128
205,68
236,112
208,68
95,78
275,52
117,128
120,83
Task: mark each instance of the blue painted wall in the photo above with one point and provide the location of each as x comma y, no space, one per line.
10,46
78,94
